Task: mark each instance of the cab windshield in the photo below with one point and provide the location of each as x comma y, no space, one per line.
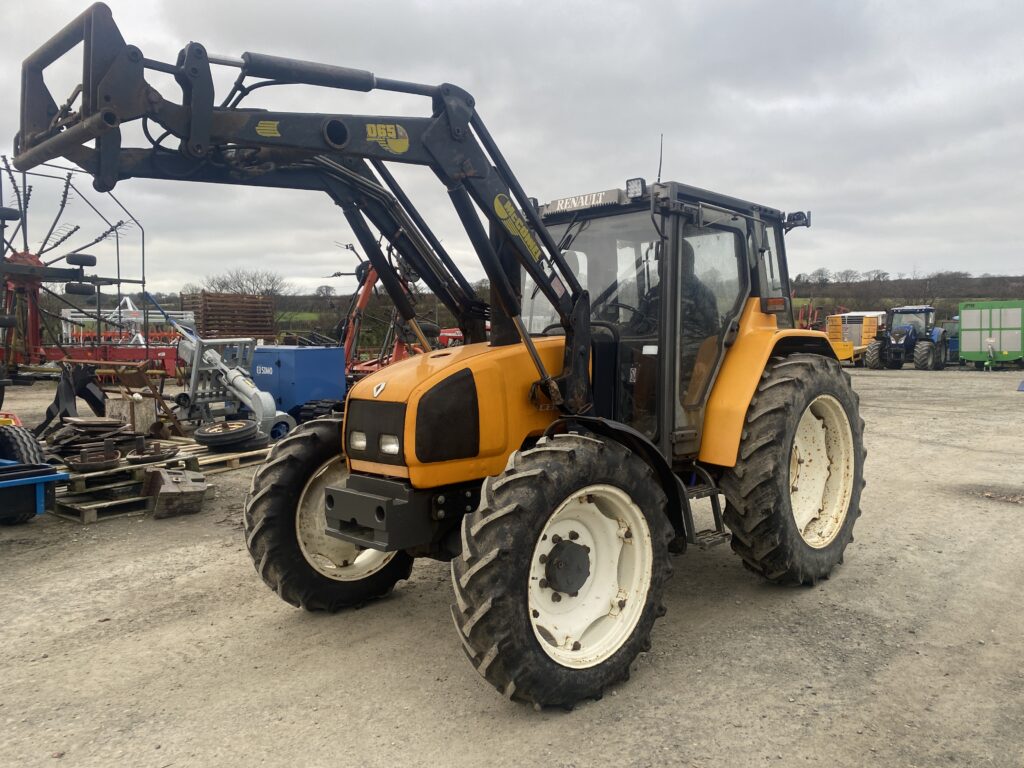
616,259
913,319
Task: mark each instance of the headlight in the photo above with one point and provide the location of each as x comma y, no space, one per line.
357,441
389,444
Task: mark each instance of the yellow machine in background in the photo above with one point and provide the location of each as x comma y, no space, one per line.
850,333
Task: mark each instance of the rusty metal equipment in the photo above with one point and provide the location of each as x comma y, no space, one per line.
174,492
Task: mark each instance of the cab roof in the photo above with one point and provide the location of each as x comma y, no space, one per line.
593,202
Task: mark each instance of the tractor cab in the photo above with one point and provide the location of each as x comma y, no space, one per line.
669,270
909,324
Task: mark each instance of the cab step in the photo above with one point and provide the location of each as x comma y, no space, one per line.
711,538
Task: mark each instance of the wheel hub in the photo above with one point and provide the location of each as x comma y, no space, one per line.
589,576
333,558
567,567
821,471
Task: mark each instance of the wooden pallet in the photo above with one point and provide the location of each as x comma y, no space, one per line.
231,315
81,510
88,497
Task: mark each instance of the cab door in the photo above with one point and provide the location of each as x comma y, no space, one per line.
711,284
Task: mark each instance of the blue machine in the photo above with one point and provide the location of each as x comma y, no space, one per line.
26,490
299,376
911,335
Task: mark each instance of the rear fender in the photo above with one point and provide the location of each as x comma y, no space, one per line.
759,339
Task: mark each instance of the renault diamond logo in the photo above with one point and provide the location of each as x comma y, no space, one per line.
378,388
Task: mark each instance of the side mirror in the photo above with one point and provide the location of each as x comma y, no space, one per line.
797,219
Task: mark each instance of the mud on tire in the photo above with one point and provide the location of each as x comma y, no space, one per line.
759,495
492,577
271,531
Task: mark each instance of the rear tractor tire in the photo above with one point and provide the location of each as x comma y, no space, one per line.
794,495
873,356
20,445
941,353
924,355
284,524
562,570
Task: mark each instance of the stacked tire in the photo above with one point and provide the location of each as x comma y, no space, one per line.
223,436
20,445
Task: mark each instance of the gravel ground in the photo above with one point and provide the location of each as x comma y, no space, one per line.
154,643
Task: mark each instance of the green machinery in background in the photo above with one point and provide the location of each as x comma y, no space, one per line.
991,332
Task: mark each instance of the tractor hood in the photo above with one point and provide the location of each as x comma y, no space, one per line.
448,415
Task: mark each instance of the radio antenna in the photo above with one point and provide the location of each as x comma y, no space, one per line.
661,154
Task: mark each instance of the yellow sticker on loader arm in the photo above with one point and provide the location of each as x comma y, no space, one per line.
514,223
390,137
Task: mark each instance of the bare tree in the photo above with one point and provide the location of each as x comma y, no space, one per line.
257,282
821,276
847,276
325,291
876,275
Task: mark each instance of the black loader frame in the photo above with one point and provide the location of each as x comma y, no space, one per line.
341,155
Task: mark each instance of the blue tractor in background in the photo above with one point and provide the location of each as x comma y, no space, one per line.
910,334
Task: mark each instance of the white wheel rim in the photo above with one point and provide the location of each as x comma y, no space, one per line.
821,471
334,558
587,629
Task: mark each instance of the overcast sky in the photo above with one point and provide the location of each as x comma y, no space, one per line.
900,125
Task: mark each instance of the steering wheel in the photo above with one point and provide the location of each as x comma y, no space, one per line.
634,310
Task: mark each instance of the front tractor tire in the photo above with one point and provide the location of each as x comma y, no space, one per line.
873,356
562,570
794,495
284,524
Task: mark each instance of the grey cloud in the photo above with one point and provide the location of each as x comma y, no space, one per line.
900,125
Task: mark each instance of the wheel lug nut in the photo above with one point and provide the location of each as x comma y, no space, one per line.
543,559
586,549
628,534
573,535
543,583
622,604
574,594
556,597
536,614
576,646
556,539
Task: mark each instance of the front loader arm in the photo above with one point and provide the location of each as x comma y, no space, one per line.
227,144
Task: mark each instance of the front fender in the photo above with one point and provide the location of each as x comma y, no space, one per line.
645,449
